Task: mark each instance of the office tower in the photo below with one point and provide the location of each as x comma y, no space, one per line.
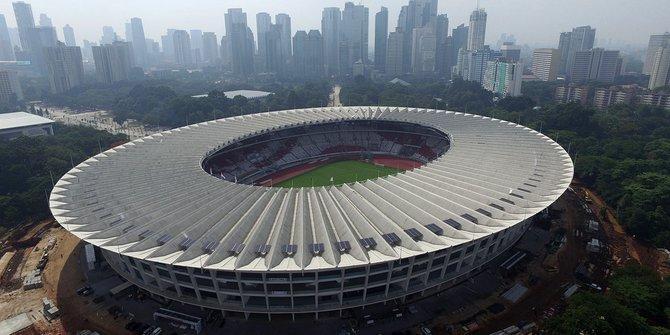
545,63
423,50
68,34
29,35
263,23
241,43
284,22
355,34
655,42
330,29
6,49
443,45
416,14
308,53
196,45
64,67
510,51
108,35
167,44
128,32
87,50
274,55
459,40
210,48
503,77
659,73
45,21
563,51
381,35
477,30
595,64
181,42
10,87
47,36
394,54
581,39
139,43
505,39
112,61
472,63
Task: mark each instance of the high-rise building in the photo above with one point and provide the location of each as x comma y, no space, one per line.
225,52
181,42
545,63
263,23
459,40
139,43
241,42
308,53
355,33
68,35
416,14
6,49
167,42
87,50
381,35
47,36
595,64
64,67
45,21
196,45
29,35
655,42
660,68
284,23
423,50
330,29
510,51
10,87
477,30
581,39
112,61
128,32
503,77
274,55
210,48
443,45
563,51
108,35
394,54
472,63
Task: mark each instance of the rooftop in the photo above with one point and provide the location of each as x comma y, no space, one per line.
21,119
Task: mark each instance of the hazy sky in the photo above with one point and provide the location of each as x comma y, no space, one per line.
531,21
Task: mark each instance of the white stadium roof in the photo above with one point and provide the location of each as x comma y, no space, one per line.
21,119
151,199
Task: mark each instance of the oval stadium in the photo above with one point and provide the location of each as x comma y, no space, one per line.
311,212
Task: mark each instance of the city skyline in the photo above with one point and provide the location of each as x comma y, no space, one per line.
512,17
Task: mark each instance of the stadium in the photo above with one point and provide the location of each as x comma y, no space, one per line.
311,212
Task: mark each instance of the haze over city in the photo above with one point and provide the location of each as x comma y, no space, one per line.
532,22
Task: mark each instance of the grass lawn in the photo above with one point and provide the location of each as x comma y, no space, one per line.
341,172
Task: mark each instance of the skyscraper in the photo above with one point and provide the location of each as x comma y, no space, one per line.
64,67
210,48
416,14
459,40
545,63
139,43
308,53
655,42
274,54
181,43
394,54
284,23
563,51
45,21
10,87
241,43
423,50
477,30
112,61
581,39
196,45
330,29
659,74
503,77
595,64
108,35
6,50
29,35
68,34
443,45
472,63
355,33
263,23
510,52
381,35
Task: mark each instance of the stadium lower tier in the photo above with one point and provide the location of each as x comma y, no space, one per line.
255,159
316,294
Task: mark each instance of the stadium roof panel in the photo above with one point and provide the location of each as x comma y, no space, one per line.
158,187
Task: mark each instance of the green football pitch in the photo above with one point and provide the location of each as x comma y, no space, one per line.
341,172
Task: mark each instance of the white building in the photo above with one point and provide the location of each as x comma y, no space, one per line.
503,77
13,125
659,74
545,63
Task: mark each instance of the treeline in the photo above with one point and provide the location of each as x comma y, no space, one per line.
29,165
637,302
623,152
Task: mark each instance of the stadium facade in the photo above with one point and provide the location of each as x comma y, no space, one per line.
184,214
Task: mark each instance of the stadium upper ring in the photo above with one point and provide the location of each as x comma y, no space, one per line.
151,198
